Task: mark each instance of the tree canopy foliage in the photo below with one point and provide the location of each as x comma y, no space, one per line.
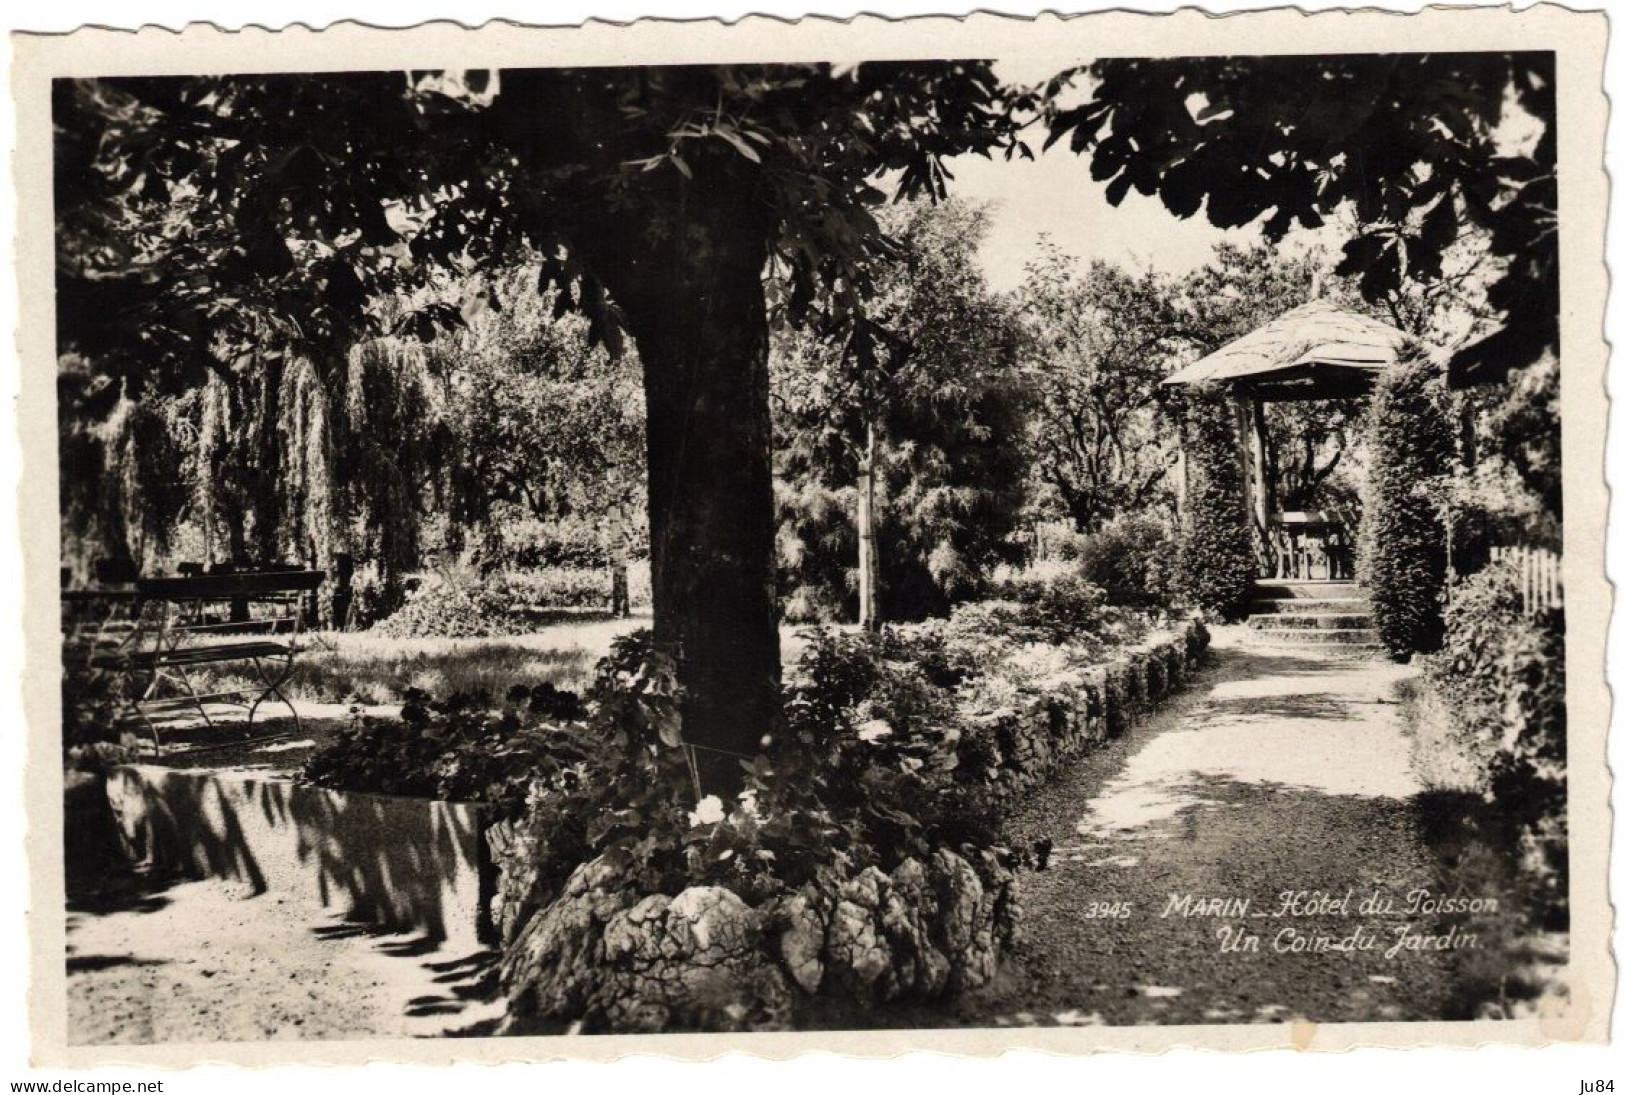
1102,340
218,208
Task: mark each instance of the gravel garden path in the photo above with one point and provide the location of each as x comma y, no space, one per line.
1278,772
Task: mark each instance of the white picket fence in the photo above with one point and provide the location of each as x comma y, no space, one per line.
1540,575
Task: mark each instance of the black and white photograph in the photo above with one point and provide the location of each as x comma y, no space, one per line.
1044,542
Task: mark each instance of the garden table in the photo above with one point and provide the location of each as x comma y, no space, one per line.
161,633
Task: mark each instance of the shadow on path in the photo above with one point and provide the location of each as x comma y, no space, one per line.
1273,774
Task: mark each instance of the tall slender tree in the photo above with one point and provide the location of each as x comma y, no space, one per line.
922,445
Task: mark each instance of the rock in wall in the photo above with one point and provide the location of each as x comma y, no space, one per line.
602,956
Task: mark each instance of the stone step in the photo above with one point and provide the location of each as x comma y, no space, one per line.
1326,651
1305,606
1333,621
1310,636
1288,589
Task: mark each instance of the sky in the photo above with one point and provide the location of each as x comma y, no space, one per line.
1055,195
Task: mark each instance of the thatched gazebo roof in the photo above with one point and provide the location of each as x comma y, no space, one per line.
1314,351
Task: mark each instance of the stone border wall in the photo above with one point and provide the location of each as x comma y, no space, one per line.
1055,723
610,959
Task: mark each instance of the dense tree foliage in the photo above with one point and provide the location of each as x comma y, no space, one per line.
550,428
1102,340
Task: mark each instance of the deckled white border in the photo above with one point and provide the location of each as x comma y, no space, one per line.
1582,116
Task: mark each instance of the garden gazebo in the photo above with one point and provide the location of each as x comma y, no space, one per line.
1316,351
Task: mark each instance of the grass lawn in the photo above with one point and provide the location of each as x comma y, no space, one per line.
339,670
345,667
376,670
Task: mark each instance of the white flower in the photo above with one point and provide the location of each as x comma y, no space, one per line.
748,804
874,730
708,812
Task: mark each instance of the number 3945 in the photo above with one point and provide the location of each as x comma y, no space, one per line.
1118,910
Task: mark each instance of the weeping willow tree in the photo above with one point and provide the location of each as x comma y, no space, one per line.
273,460
393,446
236,493
121,496
398,451
306,464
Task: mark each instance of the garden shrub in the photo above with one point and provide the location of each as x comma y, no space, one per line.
451,606
463,748
1499,679
1214,566
1054,603
1129,559
375,594
1047,605
887,732
553,587
1403,554
461,603
570,542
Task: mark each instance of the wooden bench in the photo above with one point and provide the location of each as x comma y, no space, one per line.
170,628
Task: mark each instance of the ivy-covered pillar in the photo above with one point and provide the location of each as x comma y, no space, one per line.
1215,563
1404,534
1242,407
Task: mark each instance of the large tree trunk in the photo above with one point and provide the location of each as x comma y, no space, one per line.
696,309
868,549
681,252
